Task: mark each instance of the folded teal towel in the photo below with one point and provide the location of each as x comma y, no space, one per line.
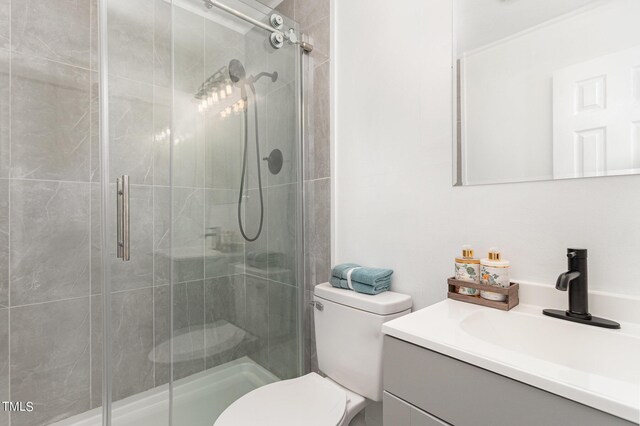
363,279
372,276
340,271
360,287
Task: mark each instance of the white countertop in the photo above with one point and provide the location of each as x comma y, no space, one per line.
591,365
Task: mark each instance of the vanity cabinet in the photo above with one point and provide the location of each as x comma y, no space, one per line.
400,413
423,387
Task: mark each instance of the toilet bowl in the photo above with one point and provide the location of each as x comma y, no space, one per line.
349,345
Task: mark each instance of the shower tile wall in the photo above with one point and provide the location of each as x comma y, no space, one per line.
314,19
45,207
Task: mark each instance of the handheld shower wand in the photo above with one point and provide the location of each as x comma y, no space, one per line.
238,76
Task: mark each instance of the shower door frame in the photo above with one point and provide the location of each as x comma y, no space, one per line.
303,124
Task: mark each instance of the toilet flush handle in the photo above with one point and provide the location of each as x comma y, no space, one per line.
319,306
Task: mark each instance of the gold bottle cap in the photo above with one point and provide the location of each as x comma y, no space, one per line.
467,253
495,255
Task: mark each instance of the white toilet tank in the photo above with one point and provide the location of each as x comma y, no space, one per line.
349,337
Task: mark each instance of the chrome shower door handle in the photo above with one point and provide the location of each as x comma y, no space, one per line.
123,216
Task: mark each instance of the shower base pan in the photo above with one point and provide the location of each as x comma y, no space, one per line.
198,399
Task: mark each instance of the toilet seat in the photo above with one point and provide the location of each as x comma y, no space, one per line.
308,400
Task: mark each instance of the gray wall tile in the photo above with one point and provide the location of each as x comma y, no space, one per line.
94,128
56,30
283,330
94,36
223,150
188,161
4,363
96,238
220,37
162,332
318,152
49,241
188,50
287,8
131,130
222,214
5,23
96,351
257,324
317,231
320,33
50,360
225,300
5,109
49,120
162,47
132,337
131,28
161,235
162,100
4,242
225,303
188,234
282,231
311,11
282,133
188,329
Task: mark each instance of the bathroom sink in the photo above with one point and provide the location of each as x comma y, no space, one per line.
592,351
594,366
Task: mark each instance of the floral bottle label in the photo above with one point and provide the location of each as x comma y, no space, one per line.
468,272
497,277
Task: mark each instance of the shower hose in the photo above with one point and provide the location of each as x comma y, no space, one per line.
244,167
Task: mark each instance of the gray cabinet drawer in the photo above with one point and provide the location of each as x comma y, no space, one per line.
464,395
396,412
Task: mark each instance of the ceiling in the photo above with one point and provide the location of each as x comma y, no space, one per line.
480,22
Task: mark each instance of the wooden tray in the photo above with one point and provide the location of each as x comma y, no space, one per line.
511,293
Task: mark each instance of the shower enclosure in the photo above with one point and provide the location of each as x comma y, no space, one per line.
150,210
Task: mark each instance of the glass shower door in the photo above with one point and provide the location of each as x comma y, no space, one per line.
200,196
236,187
135,195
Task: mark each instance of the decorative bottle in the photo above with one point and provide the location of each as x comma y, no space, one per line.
467,269
494,271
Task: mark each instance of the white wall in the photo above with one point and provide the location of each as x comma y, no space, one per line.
394,204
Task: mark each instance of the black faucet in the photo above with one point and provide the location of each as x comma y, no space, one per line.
576,280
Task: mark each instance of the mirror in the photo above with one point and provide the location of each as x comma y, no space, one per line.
546,89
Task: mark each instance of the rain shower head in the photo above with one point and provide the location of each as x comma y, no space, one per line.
236,71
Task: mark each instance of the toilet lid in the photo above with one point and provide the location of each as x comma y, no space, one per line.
308,400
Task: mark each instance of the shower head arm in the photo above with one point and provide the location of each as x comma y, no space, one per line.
272,75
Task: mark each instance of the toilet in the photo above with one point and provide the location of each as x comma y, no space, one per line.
349,346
